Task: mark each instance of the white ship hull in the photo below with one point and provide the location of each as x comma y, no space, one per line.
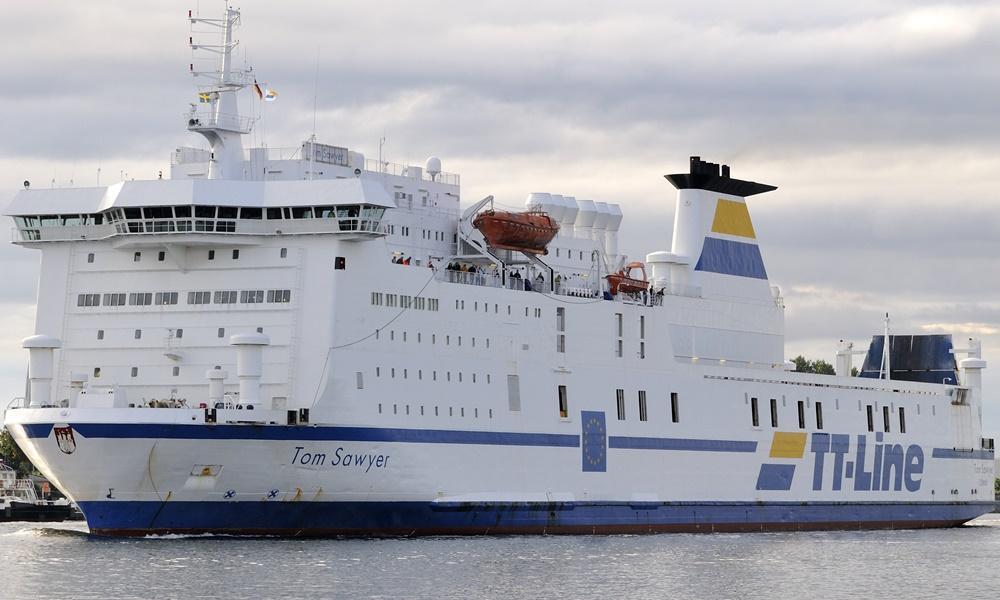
180,475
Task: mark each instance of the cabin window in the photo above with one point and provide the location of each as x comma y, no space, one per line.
871,419
754,415
513,393
620,399
802,414
100,334
674,408
176,371
360,377
642,349
138,334
560,343
774,412
819,415
161,255
211,255
90,257
563,403
97,372
284,253
902,420
340,263
643,416
885,418
137,257
236,253
642,327
178,333
135,371
560,319
222,332
618,324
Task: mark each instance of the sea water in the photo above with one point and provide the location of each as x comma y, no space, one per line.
64,561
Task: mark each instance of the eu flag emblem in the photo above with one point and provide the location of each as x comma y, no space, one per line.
595,441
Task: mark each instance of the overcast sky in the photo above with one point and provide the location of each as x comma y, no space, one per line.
877,120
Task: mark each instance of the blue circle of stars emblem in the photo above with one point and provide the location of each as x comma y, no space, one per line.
594,453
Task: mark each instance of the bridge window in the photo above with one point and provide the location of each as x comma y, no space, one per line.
115,299
225,297
620,399
199,297
251,296
563,403
140,298
162,298
250,212
754,415
274,213
88,300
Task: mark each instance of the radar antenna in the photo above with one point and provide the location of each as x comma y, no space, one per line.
216,114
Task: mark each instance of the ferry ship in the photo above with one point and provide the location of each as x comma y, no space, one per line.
315,343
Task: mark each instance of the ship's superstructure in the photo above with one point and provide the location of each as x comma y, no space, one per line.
312,342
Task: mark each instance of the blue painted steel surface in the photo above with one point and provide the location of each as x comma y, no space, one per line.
731,258
652,443
775,477
414,518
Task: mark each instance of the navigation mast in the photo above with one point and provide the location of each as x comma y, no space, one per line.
216,114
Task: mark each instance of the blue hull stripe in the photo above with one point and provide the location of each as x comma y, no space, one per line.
309,434
651,443
775,477
417,518
970,454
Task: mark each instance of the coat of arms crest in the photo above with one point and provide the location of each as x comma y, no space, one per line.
64,437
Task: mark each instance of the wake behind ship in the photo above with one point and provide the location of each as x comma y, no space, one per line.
313,343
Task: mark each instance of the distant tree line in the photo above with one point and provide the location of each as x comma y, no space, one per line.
11,455
804,365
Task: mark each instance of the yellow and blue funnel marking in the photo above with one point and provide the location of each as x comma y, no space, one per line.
731,257
778,476
733,218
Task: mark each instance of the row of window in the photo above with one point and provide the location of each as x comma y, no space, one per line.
528,311
675,416
172,333
420,338
818,408
405,374
415,302
161,255
437,412
169,298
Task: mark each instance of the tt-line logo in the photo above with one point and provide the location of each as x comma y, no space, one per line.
892,467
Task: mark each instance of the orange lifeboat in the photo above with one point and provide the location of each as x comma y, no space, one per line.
625,282
524,232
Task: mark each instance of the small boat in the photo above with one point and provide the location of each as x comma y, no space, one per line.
625,282
523,232
20,502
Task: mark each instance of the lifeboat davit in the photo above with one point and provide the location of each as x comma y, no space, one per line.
626,282
524,232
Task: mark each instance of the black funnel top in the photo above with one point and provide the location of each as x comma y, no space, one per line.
715,178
